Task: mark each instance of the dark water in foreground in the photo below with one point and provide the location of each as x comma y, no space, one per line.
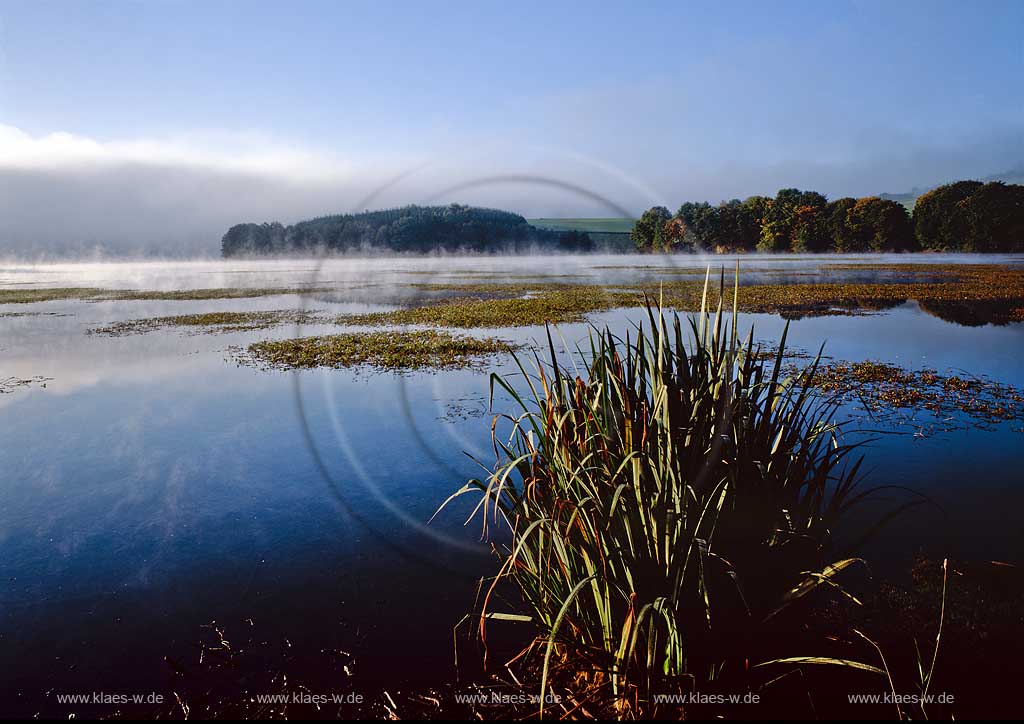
153,486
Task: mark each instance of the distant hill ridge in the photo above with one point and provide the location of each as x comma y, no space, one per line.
405,229
907,198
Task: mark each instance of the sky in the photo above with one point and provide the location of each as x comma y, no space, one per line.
150,127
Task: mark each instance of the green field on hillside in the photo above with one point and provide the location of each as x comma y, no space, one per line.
604,226
909,198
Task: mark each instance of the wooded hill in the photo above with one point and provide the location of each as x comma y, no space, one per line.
405,229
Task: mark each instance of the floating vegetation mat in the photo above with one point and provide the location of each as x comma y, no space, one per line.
968,294
991,292
497,275
549,306
93,294
17,315
895,395
214,293
10,384
465,408
211,322
380,350
962,293
30,296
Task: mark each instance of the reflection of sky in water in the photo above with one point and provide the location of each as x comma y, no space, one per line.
154,486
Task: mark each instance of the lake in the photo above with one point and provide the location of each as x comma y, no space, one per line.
151,484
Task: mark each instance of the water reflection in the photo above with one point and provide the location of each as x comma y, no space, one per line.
154,485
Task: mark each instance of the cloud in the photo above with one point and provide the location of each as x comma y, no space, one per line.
251,154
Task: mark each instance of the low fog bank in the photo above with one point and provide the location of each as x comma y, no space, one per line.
143,211
71,209
139,210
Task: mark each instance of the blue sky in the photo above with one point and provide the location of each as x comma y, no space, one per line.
305,106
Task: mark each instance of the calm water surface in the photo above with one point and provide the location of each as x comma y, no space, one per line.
153,485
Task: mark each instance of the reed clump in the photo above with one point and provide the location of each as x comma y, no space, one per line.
664,503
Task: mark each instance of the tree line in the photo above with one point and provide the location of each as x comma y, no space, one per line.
406,229
966,216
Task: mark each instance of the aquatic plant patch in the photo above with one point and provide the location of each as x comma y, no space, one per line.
17,315
380,350
992,285
496,275
211,322
49,294
972,294
94,294
894,394
548,306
